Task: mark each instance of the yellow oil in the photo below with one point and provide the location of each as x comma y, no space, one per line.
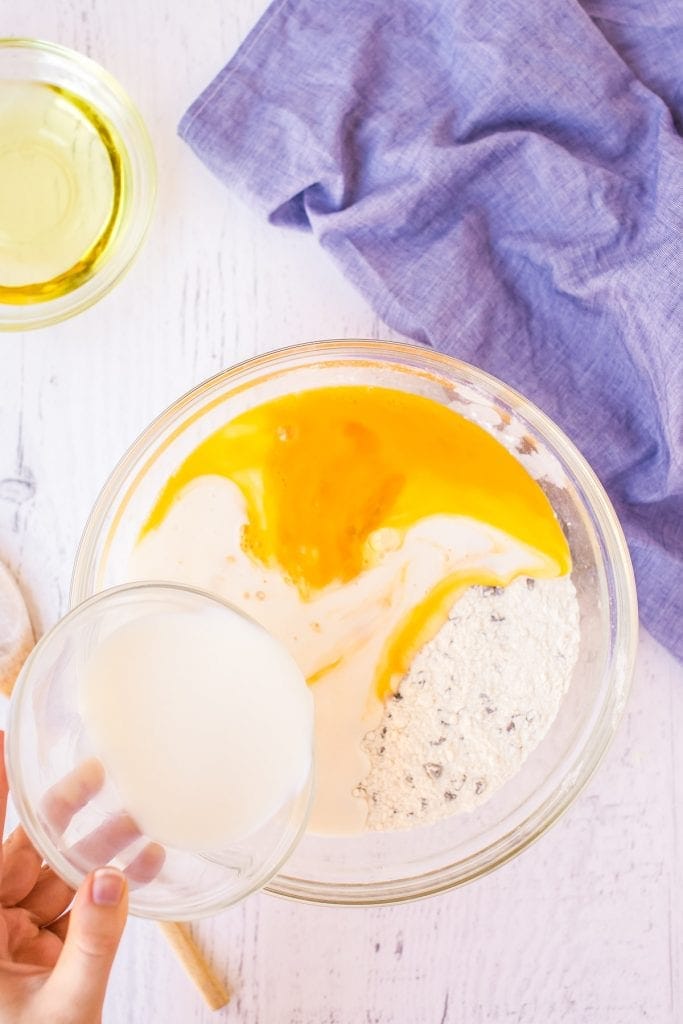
61,191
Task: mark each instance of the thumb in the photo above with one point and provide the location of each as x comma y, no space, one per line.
96,923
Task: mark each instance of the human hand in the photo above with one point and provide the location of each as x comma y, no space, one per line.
54,967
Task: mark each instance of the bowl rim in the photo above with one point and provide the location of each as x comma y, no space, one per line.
34,315
620,663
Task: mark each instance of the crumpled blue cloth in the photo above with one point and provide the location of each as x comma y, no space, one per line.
503,180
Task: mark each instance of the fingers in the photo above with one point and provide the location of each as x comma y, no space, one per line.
26,943
72,793
146,865
42,950
60,927
105,841
143,869
110,838
19,929
48,899
21,868
95,927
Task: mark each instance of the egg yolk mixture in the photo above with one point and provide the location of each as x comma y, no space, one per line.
334,478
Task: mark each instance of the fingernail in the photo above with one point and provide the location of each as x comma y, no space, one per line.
107,887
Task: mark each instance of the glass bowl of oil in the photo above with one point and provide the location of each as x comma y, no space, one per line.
77,183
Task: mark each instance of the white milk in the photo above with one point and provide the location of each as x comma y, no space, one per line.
203,723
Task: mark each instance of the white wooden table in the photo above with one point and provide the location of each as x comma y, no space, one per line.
586,926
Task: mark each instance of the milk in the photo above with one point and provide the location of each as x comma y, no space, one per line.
202,721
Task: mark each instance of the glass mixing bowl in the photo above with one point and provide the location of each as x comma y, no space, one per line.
34,60
69,804
376,867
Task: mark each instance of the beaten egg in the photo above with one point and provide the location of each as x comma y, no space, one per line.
334,478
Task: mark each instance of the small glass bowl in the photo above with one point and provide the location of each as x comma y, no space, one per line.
390,867
52,766
35,60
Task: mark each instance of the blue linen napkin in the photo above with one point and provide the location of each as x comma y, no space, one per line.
503,180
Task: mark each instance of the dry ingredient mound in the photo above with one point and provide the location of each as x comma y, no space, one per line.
477,700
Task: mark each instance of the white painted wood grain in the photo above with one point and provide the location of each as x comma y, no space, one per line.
583,928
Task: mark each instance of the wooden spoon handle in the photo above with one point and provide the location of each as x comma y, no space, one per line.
197,967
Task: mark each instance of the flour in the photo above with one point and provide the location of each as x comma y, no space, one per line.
476,702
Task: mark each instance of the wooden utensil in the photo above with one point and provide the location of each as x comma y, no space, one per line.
195,963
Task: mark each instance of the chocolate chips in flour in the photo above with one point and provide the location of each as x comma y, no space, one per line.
477,700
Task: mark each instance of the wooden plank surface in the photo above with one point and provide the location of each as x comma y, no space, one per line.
584,927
